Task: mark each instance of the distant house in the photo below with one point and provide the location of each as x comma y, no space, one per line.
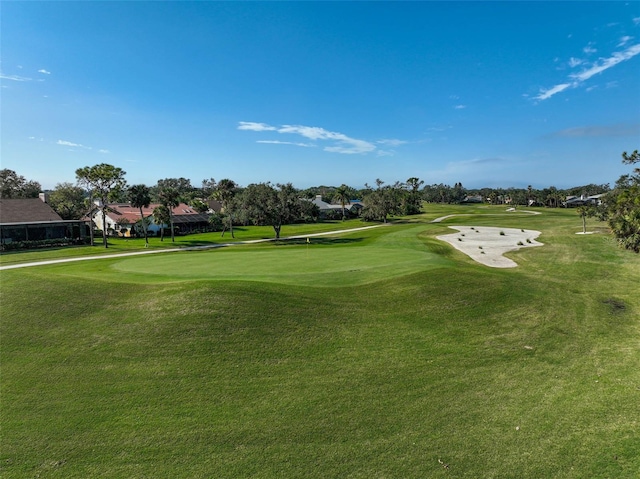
473,199
32,219
121,217
574,201
352,208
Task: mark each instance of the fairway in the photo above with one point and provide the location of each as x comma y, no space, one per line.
346,259
377,353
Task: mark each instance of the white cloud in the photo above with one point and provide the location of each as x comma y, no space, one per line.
44,72
624,40
574,62
606,63
636,20
460,107
601,65
544,94
341,142
72,144
250,125
589,49
14,77
278,142
103,151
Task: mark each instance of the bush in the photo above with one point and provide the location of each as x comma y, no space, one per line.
48,243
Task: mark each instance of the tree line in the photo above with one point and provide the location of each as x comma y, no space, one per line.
278,204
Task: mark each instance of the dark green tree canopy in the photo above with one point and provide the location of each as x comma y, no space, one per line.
264,204
68,200
13,185
623,206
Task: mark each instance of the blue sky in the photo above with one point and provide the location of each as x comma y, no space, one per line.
494,94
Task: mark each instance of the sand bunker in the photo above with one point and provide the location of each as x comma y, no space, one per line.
487,244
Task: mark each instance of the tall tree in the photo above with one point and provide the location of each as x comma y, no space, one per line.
13,185
342,195
413,202
170,198
68,200
104,181
140,197
225,191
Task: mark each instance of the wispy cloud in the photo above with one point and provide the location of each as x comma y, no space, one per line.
636,21
589,49
341,142
598,67
72,144
250,125
44,72
606,63
574,62
624,40
14,77
278,142
103,151
544,94
460,107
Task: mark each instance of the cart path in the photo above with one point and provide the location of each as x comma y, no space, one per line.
188,248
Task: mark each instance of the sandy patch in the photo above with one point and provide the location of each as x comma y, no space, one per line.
486,244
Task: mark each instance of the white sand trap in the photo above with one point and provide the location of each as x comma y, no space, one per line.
486,245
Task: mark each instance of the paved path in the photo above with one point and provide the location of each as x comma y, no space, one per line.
173,250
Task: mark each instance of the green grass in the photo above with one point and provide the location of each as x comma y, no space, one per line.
127,245
401,353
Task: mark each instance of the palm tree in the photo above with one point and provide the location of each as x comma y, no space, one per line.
225,192
140,197
161,218
170,198
342,195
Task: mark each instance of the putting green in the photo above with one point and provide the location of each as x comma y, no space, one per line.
396,252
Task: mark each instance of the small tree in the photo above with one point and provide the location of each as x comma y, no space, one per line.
104,182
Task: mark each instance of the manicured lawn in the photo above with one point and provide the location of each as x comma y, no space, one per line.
377,353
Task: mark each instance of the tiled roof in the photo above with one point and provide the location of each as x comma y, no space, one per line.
25,210
125,210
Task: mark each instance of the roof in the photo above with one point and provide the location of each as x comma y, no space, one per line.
125,211
324,206
26,210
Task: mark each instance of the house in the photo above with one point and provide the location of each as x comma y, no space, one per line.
121,217
32,219
352,208
582,200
